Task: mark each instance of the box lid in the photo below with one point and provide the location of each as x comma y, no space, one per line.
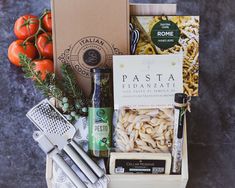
87,33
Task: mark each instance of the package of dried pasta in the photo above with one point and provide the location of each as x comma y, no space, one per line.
143,130
144,89
170,35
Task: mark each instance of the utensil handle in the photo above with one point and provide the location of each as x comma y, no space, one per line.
81,164
68,171
99,172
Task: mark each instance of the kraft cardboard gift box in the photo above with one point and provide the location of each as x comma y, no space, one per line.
86,34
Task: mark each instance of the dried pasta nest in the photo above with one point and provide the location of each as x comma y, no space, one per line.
144,130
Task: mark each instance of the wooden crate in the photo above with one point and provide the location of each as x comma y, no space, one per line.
141,181
154,181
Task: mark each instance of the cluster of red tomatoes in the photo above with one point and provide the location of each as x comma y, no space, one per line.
34,39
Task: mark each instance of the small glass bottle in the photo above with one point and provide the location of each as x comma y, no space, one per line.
179,118
100,112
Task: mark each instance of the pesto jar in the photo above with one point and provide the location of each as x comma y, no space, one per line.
100,112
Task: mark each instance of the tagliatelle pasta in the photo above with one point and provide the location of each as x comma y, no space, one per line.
144,130
188,44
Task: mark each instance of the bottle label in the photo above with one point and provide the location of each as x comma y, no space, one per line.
100,124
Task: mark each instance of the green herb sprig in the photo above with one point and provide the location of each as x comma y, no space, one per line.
72,90
70,97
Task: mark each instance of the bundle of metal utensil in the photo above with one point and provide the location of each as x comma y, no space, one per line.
55,135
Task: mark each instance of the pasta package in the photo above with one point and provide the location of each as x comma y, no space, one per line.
170,35
143,101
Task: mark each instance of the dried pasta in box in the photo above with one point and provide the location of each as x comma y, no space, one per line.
144,130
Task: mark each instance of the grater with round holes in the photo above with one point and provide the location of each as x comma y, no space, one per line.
60,132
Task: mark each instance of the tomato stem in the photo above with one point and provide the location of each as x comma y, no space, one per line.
40,30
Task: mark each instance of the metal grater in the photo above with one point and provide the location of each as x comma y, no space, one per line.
60,133
49,120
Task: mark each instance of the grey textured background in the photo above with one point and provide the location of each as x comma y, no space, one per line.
211,125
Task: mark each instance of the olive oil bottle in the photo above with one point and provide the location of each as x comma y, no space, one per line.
100,112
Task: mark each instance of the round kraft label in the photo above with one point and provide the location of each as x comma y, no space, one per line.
165,34
90,52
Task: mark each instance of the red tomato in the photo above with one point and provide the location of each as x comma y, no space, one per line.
44,66
46,22
26,26
45,46
18,47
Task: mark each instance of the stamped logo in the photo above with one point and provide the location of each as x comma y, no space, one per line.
90,52
165,34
